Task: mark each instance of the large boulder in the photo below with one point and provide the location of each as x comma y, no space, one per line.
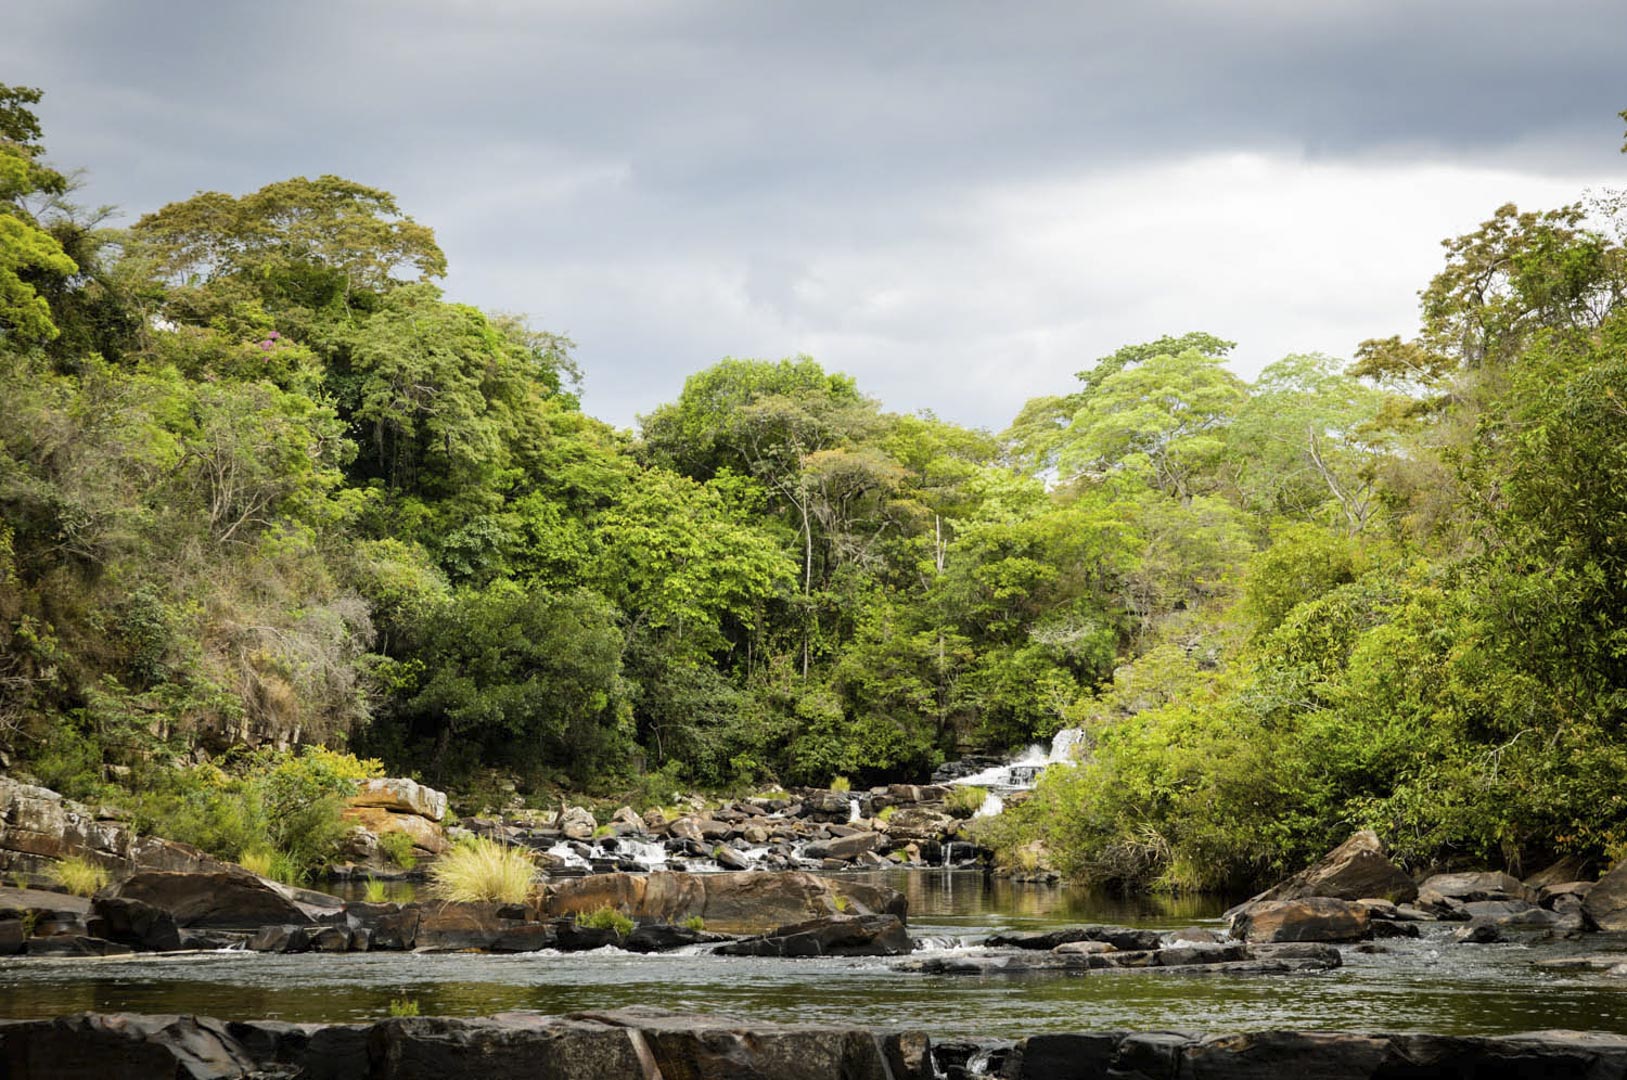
227,899
1117,937
838,935
1474,885
38,827
1606,903
1313,918
133,922
748,902
401,796
426,835
919,823
841,847
1355,870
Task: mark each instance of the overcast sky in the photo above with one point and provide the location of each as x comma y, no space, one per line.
961,204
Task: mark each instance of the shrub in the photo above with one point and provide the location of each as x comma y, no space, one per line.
965,800
403,1007
375,891
606,918
841,783
399,849
276,865
695,923
79,876
479,870
887,813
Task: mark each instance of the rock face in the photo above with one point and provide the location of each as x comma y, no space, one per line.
232,899
752,902
401,796
1605,905
624,1044
39,827
1310,919
1355,870
840,935
426,835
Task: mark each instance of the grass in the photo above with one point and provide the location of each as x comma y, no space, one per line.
80,877
695,923
403,1006
375,891
841,902
479,870
606,918
887,813
965,800
841,783
276,865
398,848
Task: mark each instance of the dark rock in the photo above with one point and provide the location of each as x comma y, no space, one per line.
843,847
1357,869
134,923
228,899
1309,919
662,937
1476,885
125,1046
11,937
1120,937
1606,903
1570,868
750,902
330,939
519,937
214,939
281,939
76,945
1387,928
452,927
1509,913
1477,933
838,935
574,937
730,859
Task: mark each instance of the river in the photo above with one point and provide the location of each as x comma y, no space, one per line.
1424,985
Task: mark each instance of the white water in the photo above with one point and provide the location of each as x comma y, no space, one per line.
1022,772
853,813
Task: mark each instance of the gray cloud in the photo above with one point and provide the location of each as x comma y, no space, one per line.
960,203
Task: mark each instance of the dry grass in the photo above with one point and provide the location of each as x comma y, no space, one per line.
483,870
80,877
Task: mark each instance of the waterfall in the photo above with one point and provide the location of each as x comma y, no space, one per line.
1022,772
853,813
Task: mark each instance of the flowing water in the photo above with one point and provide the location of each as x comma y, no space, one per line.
1425,985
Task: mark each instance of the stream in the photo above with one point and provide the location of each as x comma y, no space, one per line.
1428,984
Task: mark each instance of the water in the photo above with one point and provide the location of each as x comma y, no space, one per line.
1426,985
1022,772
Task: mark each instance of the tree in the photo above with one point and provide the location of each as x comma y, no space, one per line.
25,248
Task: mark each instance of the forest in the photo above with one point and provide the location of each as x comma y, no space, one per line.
263,487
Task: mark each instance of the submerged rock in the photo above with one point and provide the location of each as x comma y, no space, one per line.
1119,937
840,935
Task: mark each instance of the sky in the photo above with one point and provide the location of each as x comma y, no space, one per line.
959,203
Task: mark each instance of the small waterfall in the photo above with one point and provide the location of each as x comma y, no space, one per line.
1022,772
853,812
568,856
992,805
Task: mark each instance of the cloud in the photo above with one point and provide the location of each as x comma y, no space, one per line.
959,203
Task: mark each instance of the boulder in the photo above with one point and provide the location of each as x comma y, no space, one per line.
837,935
401,796
730,859
38,827
1606,903
1355,870
919,823
576,823
449,927
842,847
1477,933
1309,919
1474,885
230,899
661,937
280,939
426,835
1125,938
748,902
1567,869
75,945
133,922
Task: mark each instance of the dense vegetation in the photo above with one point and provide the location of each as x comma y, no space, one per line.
262,485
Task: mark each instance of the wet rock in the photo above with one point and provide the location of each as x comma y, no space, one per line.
842,847
396,930
663,937
281,939
1119,937
839,935
133,922
402,796
229,899
447,927
1389,928
121,1045
75,945
1195,935
1476,885
730,859
1477,933
748,902
330,939
1509,913
523,937
1310,919
11,937
1355,870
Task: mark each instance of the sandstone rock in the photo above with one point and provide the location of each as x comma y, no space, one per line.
1567,869
748,902
426,835
1195,935
228,899
1126,938
730,859
1354,870
401,796
577,823
1477,885
1083,948
1308,919
838,935
1606,904
919,823
38,827
842,847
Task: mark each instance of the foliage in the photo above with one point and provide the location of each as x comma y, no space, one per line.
398,848
606,918
375,891
965,800
479,870
404,1007
79,876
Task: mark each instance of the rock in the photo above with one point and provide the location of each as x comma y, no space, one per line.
1509,913
231,899
918,823
523,937
662,937
843,847
748,902
1570,868
1193,935
426,835
1355,870
281,939
448,927
1479,933
122,1045
133,922
11,937
1568,893
1308,919
686,828
838,935
577,823
730,859
75,945
330,939
401,796
1606,903
1477,885
1126,938
1392,928
38,827
397,929
1083,948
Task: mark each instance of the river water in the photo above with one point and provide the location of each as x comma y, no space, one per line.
1425,985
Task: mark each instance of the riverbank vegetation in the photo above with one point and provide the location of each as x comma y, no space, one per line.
263,485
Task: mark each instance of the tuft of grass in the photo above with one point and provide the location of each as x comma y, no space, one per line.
602,831
403,1006
695,923
841,783
375,892
478,870
965,800
887,813
841,902
276,865
606,918
398,848
79,876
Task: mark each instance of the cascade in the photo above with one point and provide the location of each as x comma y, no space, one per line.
1021,773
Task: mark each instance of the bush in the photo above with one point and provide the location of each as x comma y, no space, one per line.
276,865
695,923
375,891
841,783
965,800
403,1007
479,870
606,918
79,876
399,849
